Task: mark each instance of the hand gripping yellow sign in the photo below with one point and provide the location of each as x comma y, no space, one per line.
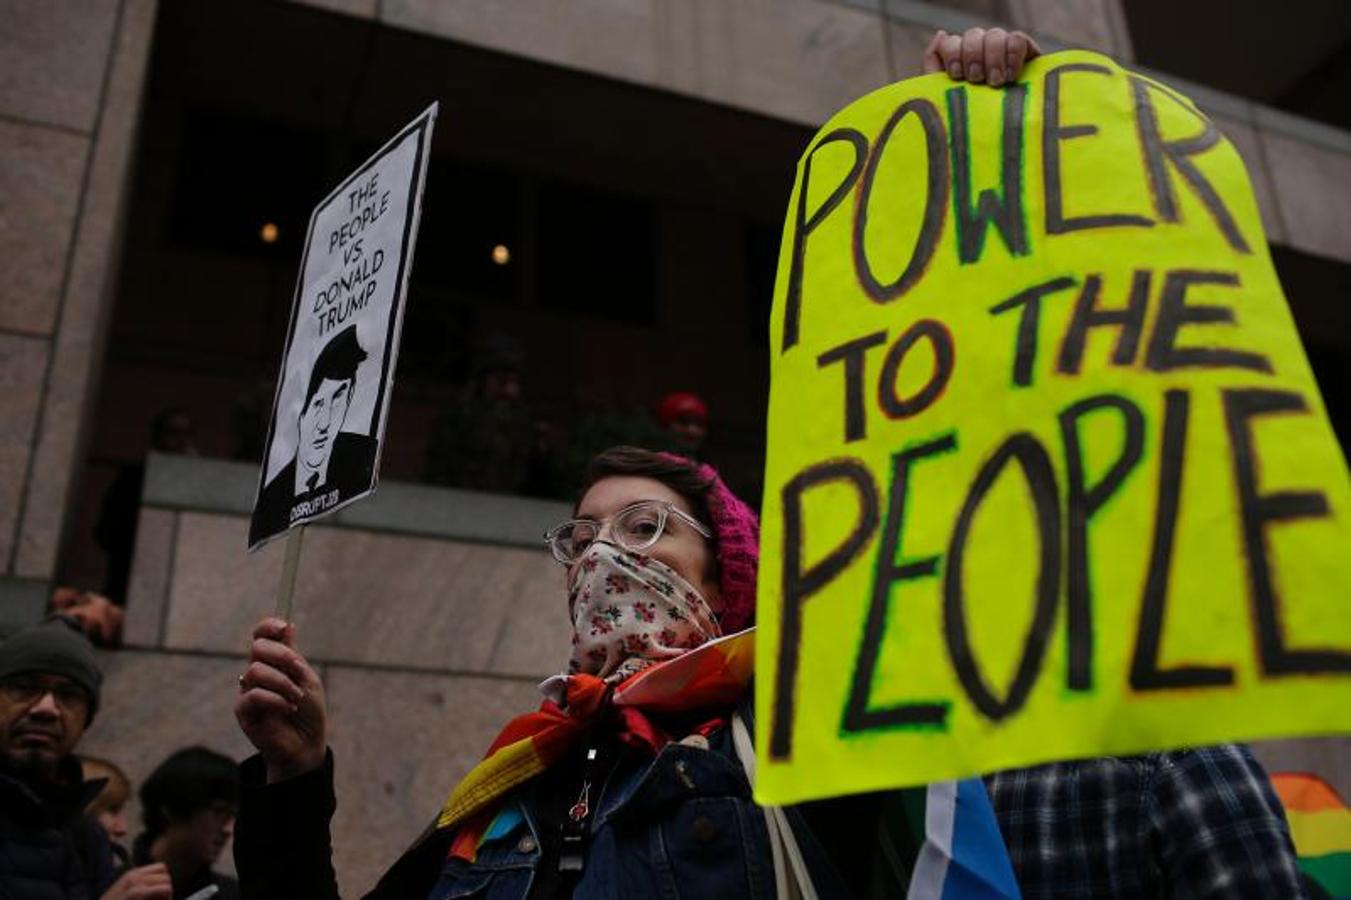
1048,473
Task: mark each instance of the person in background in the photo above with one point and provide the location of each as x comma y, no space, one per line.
684,416
108,808
49,850
99,618
486,439
188,804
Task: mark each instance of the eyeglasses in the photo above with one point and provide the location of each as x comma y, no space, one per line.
636,527
27,689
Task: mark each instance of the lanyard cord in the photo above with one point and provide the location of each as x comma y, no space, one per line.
573,855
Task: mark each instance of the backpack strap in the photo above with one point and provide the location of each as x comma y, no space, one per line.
792,881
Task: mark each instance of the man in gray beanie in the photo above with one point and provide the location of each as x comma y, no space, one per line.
49,692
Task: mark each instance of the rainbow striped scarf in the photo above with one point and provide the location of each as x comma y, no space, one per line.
712,677
1320,825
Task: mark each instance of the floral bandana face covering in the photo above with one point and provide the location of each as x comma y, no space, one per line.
630,611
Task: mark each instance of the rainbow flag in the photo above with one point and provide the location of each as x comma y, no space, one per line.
1320,825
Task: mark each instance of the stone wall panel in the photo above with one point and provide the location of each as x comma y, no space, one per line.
219,590
52,57
400,743
1313,184
23,362
151,570
40,171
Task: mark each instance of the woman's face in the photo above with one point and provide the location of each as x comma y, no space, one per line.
680,546
114,822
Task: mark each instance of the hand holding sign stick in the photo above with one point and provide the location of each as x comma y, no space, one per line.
328,420
286,586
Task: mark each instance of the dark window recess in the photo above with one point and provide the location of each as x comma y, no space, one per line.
595,253
467,212
437,333
235,175
1313,285
762,265
1305,56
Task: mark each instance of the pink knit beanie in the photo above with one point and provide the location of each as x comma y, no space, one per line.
737,532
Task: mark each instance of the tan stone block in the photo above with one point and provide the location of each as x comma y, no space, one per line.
400,743
152,703
81,331
424,602
536,637
23,363
800,60
219,590
52,59
366,597
907,44
612,37
1244,138
40,171
1313,186
1081,24
151,569
155,703
361,9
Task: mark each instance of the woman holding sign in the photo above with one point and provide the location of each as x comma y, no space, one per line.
629,779
633,779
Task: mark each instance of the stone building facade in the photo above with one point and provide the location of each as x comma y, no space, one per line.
422,664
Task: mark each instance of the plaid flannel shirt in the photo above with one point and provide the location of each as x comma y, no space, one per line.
1200,823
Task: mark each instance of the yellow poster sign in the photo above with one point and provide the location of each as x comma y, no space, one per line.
1048,473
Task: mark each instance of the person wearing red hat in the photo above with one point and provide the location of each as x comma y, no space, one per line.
685,416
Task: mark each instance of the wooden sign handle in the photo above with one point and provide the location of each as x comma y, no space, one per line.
286,588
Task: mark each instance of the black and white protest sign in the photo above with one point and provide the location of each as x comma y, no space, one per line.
328,418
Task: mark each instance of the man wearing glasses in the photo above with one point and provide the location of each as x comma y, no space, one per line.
49,692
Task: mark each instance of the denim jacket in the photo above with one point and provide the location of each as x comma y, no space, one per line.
682,824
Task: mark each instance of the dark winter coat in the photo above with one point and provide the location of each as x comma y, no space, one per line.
48,849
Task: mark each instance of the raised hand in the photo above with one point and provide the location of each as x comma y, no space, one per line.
980,55
281,706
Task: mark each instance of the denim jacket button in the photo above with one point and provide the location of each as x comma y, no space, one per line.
527,844
704,829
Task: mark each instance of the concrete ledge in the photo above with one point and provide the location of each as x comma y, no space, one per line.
1303,129
223,486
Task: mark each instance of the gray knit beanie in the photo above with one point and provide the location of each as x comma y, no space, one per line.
55,646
